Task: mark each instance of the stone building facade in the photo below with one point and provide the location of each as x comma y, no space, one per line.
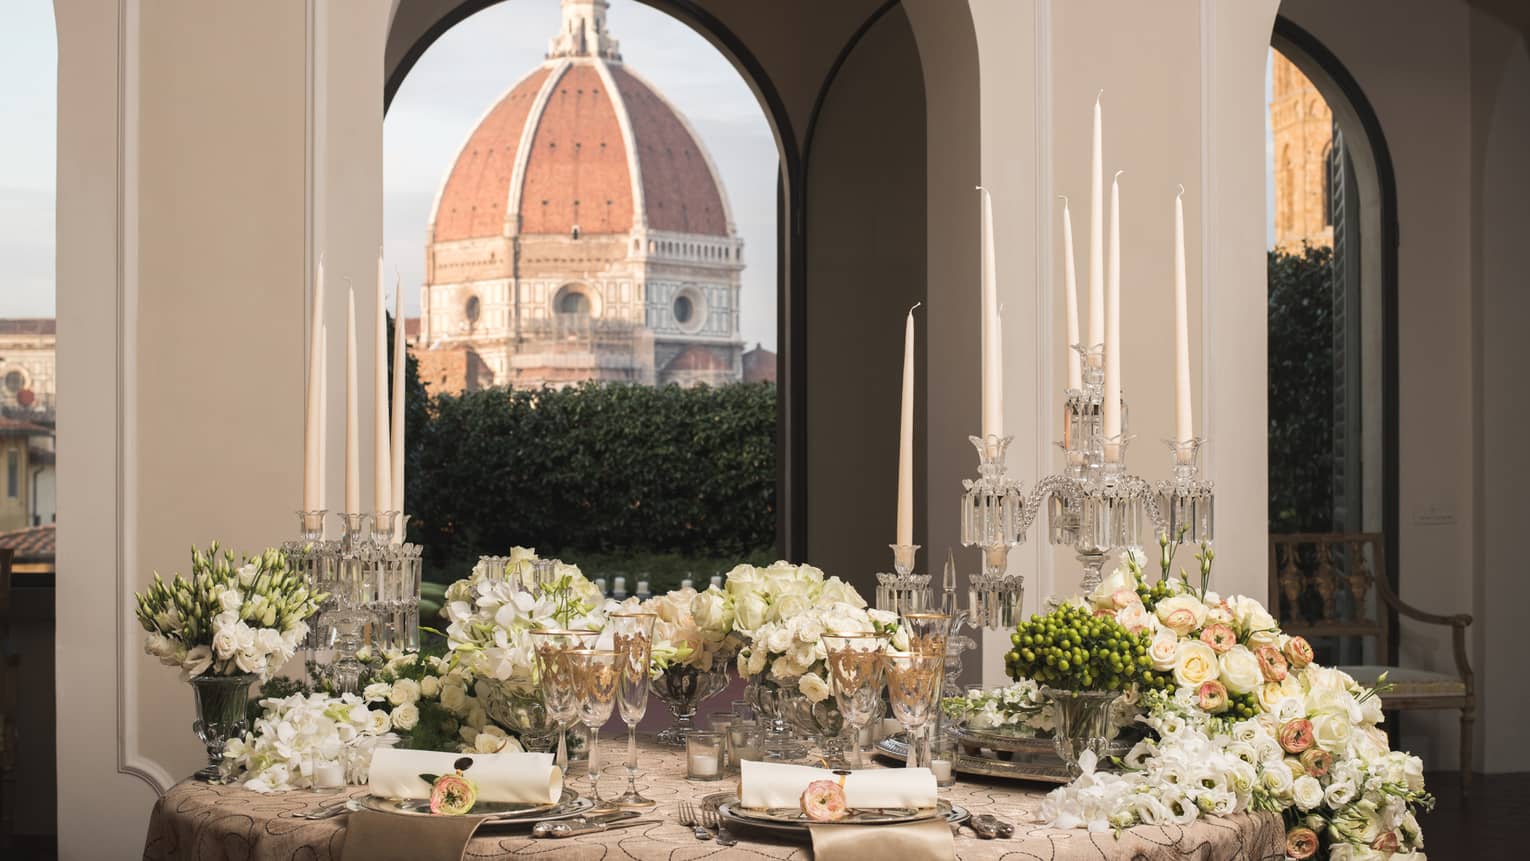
1302,123
583,233
28,350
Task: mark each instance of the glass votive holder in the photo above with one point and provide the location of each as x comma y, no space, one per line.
328,776
703,756
721,723
743,710
943,759
744,739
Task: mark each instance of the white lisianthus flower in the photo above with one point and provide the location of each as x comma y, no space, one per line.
196,661
1254,621
1239,670
405,717
230,600
247,574
1195,663
225,643
404,691
813,687
490,742
1307,792
1340,793
430,687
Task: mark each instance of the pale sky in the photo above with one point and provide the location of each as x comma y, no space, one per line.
469,68
28,129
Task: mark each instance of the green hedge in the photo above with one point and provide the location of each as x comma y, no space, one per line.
599,470
1301,390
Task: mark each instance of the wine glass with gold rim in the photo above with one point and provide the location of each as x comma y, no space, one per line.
632,640
550,649
597,674
857,671
912,681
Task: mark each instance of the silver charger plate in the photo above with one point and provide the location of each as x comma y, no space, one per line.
492,812
1001,754
792,821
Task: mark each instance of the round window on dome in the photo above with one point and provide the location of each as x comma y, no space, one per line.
683,310
689,310
473,309
15,381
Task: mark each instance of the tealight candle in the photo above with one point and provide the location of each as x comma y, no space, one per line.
942,769
328,775
704,756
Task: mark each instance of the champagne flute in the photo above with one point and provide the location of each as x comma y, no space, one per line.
930,633
911,685
857,669
632,639
550,650
596,673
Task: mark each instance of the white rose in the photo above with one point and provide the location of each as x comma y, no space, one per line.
1252,619
430,687
1307,792
779,639
1332,731
405,717
251,662
1195,663
490,742
378,722
1240,671
1116,581
454,699
230,600
404,691
1181,613
742,580
1164,650
376,692
225,643
1136,619
792,605
813,687
712,611
750,612
837,591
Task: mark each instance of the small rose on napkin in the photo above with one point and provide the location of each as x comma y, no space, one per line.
824,801
452,794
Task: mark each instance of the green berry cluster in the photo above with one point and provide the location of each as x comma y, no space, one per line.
1241,707
1073,649
1151,595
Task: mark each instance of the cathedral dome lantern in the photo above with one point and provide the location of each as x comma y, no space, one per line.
584,173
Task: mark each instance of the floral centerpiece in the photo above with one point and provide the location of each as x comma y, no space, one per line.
783,611
1241,718
297,735
432,705
226,626
699,628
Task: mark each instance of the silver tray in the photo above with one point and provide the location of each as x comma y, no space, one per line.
797,825
1001,754
570,804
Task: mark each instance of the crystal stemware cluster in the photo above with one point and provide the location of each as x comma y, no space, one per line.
373,585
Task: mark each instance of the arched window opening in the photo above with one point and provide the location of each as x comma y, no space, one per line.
1332,313
565,329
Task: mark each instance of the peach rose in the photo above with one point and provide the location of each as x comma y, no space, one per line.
1317,761
824,801
1212,697
1298,652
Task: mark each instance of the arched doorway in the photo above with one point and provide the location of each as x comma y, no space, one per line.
1333,273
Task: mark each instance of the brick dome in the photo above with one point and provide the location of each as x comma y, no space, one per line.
580,142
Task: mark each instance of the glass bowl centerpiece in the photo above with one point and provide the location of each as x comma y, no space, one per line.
699,628
782,612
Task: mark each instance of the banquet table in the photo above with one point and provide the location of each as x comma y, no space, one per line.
209,823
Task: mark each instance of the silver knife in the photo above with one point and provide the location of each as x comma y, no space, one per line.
567,829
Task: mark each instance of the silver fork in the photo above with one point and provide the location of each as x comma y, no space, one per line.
711,819
690,820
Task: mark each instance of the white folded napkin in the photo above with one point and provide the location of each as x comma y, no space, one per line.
775,784
518,778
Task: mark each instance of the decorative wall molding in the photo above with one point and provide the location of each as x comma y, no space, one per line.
1046,341
1208,222
130,759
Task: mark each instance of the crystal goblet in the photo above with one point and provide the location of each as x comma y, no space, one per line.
597,673
912,681
857,672
632,639
550,649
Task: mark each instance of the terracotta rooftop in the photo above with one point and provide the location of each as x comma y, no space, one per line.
698,358
576,168
37,542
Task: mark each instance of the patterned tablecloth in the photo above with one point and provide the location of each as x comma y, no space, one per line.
210,823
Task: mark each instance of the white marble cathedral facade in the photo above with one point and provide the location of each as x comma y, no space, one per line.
582,233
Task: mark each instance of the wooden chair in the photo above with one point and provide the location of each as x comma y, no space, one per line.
1320,587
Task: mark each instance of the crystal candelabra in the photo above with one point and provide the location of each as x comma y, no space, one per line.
374,593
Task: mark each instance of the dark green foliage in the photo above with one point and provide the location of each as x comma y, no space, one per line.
600,469
1301,390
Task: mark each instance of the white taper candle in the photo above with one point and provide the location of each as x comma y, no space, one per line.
1070,296
992,330
382,452
1097,235
313,439
905,531
397,435
1112,393
352,420
1184,426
